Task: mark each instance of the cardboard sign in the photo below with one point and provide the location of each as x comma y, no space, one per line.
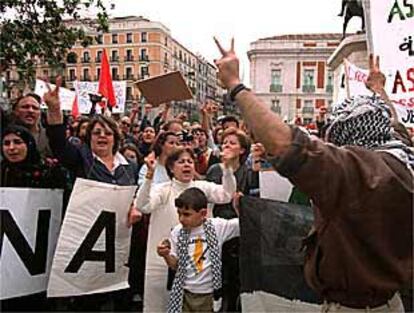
390,25
164,88
93,246
30,224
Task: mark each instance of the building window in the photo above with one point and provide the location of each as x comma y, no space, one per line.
143,55
144,71
114,56
86,75
276,81
276,106
114,38
72,74
166,41
128,73
307,107
329,82
115,73
129,56
143,37
98,73
99,56
309,80
45,73
129,38
86,57
99,39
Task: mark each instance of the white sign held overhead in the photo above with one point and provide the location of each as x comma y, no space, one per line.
83,89
66,96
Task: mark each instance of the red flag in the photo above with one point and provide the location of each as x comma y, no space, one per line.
106,88
75,107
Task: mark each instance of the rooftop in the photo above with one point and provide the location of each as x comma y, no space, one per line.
292,37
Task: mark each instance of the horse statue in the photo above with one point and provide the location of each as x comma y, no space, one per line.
351,8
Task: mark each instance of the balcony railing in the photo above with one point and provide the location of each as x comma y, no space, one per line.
115,58
276,109
308,88
308,110
129,58
98,59
144,58
87,78
276,88
129,77
86,60
115,77
329,88
71,78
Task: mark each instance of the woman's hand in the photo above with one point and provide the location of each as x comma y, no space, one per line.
257,151
134,215
150,162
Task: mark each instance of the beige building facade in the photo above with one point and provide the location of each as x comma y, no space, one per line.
291,75
137,48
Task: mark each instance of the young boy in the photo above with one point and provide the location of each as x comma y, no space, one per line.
195,254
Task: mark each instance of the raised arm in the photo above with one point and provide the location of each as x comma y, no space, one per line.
376,83
268,127
149,199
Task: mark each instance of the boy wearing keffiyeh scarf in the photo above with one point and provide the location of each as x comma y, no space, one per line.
195,254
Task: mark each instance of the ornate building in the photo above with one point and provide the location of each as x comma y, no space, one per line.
291,75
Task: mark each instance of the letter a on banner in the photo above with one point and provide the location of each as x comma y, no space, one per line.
106,222
30,223
93,245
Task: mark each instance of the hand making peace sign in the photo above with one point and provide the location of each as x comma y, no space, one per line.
228,66
376,79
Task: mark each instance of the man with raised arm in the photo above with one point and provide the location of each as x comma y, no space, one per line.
361,184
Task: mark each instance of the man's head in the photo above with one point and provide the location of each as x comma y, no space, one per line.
191,207
229,121
27,109
125,124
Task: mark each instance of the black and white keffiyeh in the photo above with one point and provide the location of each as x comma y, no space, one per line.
365,121
175,303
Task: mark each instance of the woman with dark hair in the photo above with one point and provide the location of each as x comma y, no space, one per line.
163,146
146,140
131,153
236,141
97,159
23,167
159,200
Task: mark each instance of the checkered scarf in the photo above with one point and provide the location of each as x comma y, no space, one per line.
366,121
177,292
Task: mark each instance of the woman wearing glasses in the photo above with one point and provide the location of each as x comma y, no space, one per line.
97,159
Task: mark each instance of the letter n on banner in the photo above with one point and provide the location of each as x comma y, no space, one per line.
30,223
93,245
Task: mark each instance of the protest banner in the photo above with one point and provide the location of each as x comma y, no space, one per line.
83,89
390,26
93,245
30,224
271,255
66,96
356,78
164,88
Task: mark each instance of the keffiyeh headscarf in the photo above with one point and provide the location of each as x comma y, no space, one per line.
365,121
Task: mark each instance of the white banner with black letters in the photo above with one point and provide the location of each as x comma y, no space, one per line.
30,224
93,246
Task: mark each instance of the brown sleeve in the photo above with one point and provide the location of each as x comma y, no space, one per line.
334,178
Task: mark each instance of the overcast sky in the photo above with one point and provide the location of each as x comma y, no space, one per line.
194,22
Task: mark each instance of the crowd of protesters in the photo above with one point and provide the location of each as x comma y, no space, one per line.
177,163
